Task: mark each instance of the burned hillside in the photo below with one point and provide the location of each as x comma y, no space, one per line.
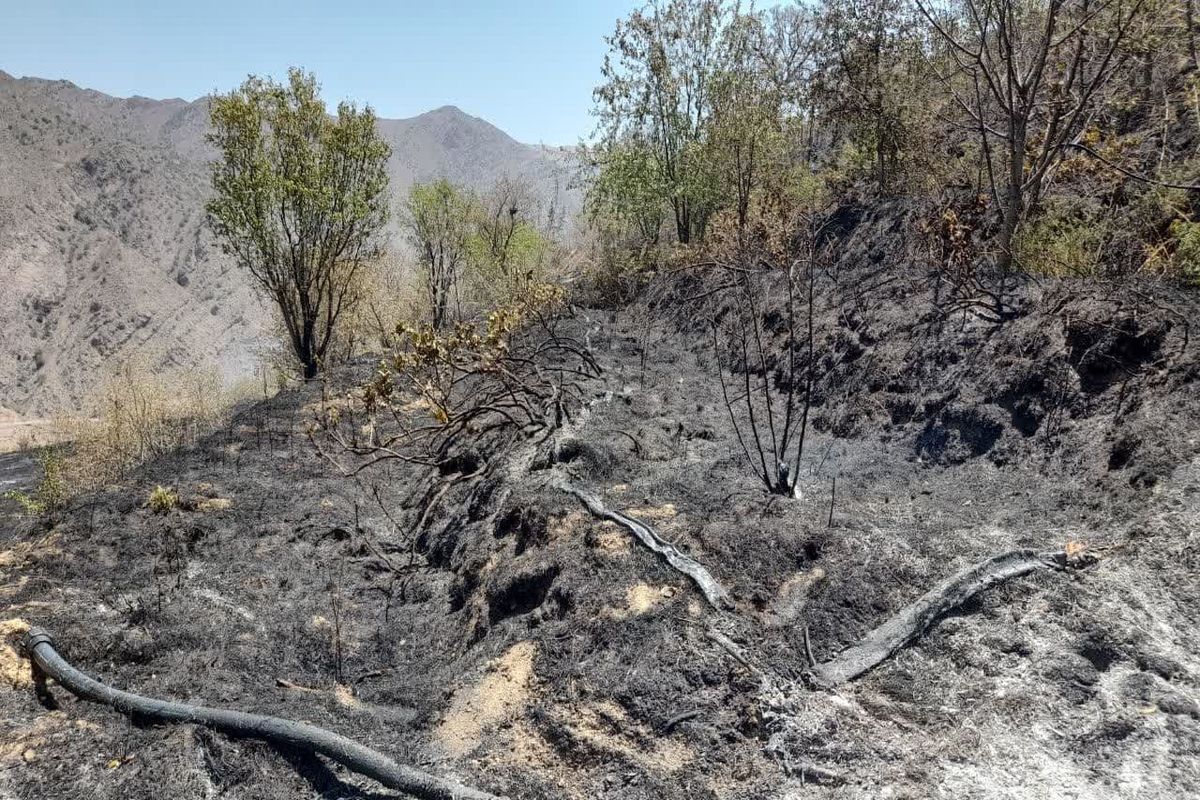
477,620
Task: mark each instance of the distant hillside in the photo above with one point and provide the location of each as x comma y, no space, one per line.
104,251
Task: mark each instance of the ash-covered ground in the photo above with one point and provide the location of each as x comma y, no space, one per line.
477,622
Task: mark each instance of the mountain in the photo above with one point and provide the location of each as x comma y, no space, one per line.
104,250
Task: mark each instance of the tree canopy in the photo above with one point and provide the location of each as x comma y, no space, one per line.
300,198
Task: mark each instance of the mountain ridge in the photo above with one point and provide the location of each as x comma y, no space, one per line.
447,108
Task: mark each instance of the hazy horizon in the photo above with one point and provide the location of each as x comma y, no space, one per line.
166,99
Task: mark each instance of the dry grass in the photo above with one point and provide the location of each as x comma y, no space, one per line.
139,414
641,598
387,294
14,667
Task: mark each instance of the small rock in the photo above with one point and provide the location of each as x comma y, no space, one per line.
1160,665
1178,704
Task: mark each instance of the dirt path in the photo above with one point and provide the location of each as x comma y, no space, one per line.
23,434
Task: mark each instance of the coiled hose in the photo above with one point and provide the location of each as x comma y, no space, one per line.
277,730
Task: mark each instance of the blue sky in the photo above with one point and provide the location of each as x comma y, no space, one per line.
527,66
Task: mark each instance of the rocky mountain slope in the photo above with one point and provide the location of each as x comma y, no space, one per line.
104,252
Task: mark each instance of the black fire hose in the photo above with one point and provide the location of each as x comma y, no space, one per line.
349,753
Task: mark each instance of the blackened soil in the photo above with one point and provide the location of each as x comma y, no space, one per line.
520,645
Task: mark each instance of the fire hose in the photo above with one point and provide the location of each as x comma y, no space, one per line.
275,730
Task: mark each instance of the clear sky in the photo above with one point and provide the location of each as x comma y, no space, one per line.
527,66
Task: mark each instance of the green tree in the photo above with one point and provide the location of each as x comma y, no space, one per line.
656,94
499,217
872,80
511,243
744,136
626,186
300,199
437,217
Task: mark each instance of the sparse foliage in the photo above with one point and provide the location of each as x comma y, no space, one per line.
51,493
1028,78
508,252
744,137
386,295
872,83
437,217
476,251
720,117
515,369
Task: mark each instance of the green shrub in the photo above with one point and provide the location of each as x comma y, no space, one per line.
1186,257
162,500
51,494
1059,243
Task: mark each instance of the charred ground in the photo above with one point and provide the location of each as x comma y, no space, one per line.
477,621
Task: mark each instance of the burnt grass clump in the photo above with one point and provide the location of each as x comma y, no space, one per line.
474,620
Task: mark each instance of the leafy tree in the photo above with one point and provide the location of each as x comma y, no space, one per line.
627,186
437,217
786,44
498,219
871,79
704,109
656,95
744,134
300,199
507,250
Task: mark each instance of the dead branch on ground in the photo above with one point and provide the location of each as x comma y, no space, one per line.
713,592
911,622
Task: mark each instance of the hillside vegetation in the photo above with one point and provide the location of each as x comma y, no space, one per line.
847,451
